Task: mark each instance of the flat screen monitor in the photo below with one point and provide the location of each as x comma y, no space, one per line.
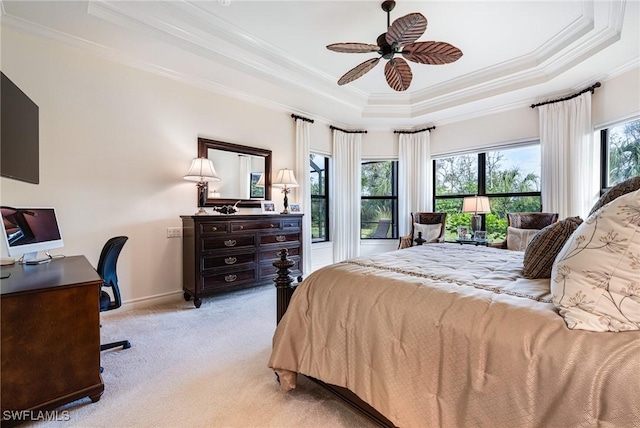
19,134
28,231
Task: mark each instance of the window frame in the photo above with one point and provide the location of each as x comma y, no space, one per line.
393,197
482,179
325,197
604,134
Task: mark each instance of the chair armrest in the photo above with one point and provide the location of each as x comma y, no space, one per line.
502,245
405,242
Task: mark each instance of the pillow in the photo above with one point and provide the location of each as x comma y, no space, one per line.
518,239
430,232
545,246
595,280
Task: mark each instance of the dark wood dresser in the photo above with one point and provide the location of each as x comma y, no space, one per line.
50,336
222,253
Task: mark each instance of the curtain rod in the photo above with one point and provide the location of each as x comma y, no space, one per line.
295,116
591,89
345,131
414,132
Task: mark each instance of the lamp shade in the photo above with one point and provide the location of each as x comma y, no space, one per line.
476,205
202,169
285,178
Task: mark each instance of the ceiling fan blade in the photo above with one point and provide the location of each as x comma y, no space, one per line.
434,53
406,29
353,47
358,71
398,74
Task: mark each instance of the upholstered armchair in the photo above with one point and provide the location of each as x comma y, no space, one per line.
525,225
431,225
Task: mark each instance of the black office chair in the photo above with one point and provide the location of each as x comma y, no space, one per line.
107,271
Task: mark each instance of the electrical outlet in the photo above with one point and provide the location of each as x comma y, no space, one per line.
174,232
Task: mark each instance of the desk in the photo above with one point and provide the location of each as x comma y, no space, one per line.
50,324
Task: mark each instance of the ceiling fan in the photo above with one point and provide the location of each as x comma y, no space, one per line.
400,39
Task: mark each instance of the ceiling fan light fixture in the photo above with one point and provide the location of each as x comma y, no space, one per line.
400,39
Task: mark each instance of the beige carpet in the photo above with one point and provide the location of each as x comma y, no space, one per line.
203,367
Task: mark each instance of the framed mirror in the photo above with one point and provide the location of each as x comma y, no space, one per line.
240,169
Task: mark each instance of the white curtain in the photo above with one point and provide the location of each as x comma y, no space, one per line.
414,177
346,195
569,182
304,192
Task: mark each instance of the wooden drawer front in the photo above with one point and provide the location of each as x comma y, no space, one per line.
274,253
222,281
268,270
243,226
226,260
228,241
214,227
291,224
279,238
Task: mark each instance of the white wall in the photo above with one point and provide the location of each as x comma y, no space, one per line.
114,145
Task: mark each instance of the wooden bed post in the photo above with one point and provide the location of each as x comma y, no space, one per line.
283,283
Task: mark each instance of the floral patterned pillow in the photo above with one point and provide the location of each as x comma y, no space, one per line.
595,279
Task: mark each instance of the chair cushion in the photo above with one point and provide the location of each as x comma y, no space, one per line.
518,239
595,279
430,232
545,246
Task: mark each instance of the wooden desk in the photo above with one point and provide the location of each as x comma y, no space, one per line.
50,324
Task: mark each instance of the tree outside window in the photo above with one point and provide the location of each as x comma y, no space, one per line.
620,152
509,177
379,201
319,182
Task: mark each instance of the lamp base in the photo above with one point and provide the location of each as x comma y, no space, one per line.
476,222
201,211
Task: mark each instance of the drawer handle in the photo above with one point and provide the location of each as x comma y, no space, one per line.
230,278
214,228
281,238
230,242
241,227
272,225
230,260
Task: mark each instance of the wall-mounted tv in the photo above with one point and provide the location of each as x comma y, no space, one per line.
19,135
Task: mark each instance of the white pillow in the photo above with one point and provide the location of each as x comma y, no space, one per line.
518,239
595,280
429,231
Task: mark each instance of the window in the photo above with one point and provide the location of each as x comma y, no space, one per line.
510,177
379,201
319,178
619,153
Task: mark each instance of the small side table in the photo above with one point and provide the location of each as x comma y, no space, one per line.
475,242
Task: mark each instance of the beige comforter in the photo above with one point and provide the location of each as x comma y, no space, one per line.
444,335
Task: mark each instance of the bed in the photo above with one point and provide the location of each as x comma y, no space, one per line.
446,335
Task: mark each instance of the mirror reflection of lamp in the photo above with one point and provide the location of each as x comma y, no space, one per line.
286,180
476,205
260,182
202,171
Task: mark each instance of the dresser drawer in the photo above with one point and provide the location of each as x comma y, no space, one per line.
214,227
226,281
291,224
273,253
228,241
279,238
244,226
214,261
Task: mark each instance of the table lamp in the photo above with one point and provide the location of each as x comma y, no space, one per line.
286,180
476,205
202,171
